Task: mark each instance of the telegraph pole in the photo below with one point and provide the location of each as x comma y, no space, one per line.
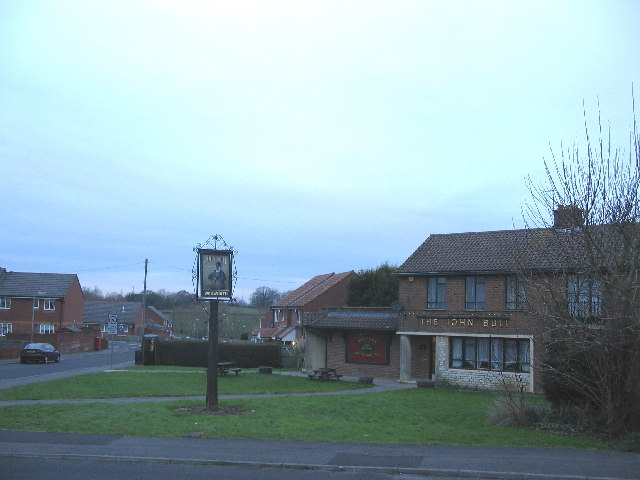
144,309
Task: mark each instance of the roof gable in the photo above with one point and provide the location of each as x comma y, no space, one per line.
311,290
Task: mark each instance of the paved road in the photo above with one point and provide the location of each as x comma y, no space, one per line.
13,373
460,462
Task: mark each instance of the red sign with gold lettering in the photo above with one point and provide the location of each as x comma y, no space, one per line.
368,347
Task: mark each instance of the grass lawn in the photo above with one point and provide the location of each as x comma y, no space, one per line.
412,416
159,383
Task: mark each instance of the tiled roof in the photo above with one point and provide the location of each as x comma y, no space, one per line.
22,284
97,312
494,251
311,290
354,319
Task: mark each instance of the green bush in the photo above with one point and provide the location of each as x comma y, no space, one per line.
194,353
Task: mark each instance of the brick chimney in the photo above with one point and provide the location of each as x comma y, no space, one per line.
568,217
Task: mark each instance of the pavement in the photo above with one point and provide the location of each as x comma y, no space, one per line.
396,459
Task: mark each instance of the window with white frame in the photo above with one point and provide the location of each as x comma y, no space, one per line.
5,303
5,328
584,296
490,353
516,294
49,304
436,293
36,303
474,293
47,328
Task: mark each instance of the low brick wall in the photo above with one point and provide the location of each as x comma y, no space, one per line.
65,342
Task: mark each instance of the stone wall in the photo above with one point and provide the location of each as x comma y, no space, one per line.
476,379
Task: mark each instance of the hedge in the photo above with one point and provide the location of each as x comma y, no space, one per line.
194,353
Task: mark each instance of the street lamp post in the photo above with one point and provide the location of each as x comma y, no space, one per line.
33,311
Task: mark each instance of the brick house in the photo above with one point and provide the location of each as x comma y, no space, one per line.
467,309
129,318
39,303
463,319
283,322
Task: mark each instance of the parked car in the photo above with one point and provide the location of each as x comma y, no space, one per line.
39,352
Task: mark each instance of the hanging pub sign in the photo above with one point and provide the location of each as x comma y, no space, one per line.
214,274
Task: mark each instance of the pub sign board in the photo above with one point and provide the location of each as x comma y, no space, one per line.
214,274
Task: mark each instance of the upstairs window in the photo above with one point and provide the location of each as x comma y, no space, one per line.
584,296
515,293
36,303
5,303
475,293
436,295
49,304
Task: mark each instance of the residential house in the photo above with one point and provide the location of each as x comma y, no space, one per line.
129,318
468,311
283,322
34,304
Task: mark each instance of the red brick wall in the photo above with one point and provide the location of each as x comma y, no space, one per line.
73,305
65,342
495,320
336,350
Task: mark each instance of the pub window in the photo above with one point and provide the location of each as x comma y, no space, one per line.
475,293
436,295
5,303
515,293
497,354
584,296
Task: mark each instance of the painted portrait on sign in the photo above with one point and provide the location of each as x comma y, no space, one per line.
214,274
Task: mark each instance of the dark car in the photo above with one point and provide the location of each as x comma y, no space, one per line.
39,352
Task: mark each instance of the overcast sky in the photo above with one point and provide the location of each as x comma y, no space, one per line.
313,136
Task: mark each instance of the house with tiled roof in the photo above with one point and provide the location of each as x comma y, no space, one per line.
34,304
283,322
469,308
470,300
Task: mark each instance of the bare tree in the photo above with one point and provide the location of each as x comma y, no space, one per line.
264,297
586,214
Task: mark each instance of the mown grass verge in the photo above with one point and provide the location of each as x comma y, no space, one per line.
412,416
159,383
415,416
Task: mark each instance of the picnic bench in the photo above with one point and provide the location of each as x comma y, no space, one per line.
227,367
324,374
